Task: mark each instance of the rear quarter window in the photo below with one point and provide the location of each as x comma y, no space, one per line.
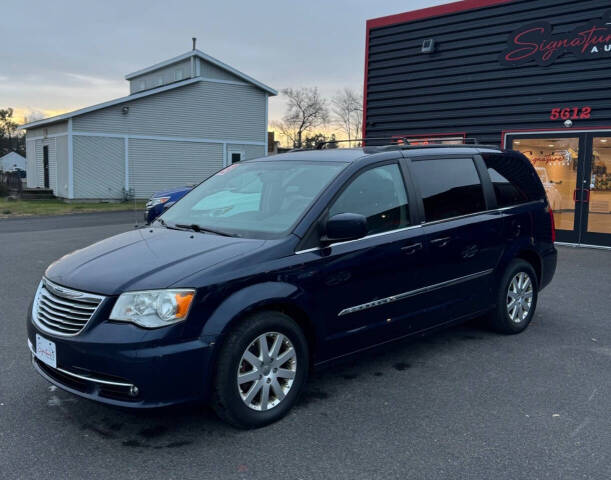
513,178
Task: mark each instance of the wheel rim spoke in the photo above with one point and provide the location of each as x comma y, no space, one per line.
278,392
265,396
526,283
276,346
252,393
284,373
263,350
285,357
251,358
248,377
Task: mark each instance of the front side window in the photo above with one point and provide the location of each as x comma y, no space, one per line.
379,195
254,199
449,187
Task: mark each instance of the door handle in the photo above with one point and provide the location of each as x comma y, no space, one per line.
411,249
470,251
441,242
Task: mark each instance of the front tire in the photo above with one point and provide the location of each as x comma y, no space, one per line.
262,367
516,298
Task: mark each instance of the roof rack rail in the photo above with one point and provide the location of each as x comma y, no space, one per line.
400,142
392,141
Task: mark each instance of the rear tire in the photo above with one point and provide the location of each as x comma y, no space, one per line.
516,298
262,367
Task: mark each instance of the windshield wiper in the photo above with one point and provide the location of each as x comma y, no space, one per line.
197,228
163,223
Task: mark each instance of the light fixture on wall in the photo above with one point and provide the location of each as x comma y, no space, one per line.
428,46
125,109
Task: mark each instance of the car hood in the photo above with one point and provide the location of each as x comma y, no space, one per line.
146,258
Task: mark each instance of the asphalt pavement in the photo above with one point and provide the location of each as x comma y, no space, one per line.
463,403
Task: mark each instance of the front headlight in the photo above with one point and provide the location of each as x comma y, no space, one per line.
153,308
156,201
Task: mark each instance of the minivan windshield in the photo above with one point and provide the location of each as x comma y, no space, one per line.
259,199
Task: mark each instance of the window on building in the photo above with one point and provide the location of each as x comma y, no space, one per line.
141,85
449,187
379,194
178,75
159,81
236,157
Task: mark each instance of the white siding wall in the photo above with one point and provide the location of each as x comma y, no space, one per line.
165,75
50,142
31,165
250,151
156,165
39,166
99,167
201,110
208,70
55,129
61,158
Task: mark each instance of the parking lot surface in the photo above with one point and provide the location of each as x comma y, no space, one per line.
462,403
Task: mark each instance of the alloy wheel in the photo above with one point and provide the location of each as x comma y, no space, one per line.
266,371
519,297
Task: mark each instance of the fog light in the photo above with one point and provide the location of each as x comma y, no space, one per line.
133,391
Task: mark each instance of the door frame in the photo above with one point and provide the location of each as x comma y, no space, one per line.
579,235
46,174
591,238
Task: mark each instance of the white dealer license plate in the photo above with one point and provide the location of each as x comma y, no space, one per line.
45,351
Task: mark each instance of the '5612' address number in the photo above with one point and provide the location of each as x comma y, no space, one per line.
571,113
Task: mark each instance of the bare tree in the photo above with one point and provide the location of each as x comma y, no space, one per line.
305,110
348,112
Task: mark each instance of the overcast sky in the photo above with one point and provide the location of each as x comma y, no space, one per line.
57,56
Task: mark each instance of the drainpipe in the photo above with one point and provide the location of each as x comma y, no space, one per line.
194,39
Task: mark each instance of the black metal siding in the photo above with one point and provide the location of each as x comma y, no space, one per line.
463,87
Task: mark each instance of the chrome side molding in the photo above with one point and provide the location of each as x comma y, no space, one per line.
412,293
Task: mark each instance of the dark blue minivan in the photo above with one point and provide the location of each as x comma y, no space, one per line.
278,264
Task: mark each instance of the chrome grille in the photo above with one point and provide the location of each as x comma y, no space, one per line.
63,311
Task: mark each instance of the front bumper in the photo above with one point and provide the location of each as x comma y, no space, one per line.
107,360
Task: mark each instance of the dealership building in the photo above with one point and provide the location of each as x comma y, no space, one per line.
530,75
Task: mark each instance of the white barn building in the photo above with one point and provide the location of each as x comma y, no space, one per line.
184,119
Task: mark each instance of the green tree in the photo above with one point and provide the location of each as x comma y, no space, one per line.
9,139
317,139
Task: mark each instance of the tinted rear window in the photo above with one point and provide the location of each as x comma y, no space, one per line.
513,178
449,187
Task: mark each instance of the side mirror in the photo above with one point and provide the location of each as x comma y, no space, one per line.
343,227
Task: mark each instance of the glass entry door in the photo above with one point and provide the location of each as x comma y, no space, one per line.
575,170
596,198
